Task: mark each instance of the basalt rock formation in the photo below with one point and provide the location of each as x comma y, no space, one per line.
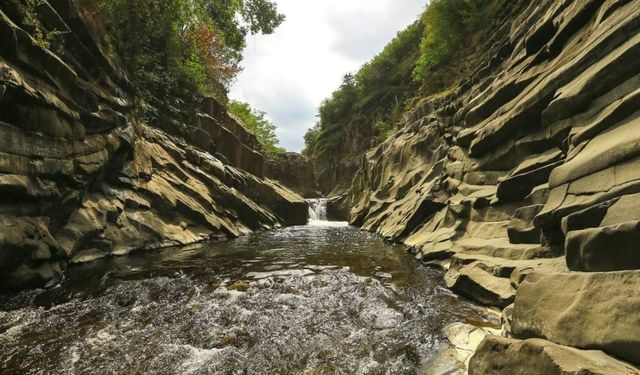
293,170
524,184
83,175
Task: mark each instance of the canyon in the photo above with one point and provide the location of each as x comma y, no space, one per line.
520,185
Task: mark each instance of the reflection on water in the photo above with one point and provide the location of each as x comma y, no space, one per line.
318,299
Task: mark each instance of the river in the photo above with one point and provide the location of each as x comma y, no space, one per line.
318,299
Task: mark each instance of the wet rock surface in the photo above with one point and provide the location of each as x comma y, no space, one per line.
83,177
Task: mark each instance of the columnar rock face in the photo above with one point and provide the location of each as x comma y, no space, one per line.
293,170
82,177
531,165
582,309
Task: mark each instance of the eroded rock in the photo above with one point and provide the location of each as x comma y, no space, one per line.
584,310
479,285
502,356
82,176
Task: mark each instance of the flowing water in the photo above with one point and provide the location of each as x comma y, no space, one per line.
316,299
317,210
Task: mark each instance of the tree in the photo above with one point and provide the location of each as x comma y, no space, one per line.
368,103
259,125
258,16
310,139
183,44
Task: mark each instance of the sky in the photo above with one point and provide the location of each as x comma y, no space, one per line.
289,73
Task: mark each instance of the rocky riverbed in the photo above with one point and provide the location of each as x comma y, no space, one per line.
323,298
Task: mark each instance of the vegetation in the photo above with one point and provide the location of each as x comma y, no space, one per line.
372,96
446,23
183,44
427,57
174,48
42,37
259,125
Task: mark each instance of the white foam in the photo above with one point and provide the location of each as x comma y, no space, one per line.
198,358
325,223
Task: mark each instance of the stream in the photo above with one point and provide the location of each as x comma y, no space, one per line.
324,298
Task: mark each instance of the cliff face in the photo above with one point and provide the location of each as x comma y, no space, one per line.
524,183
83,175
293,170
335,171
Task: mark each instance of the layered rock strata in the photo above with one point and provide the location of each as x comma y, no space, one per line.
293,170
83,175
524,184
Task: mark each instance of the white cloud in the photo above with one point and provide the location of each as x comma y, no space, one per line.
289,73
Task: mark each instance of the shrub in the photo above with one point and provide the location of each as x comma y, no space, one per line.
369,100
259,125
446,23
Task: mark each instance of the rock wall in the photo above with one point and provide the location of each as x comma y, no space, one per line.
293,170
83,175
524,184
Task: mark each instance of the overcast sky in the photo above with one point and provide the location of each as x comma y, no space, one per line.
289,73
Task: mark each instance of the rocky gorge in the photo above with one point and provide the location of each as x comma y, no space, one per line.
521,183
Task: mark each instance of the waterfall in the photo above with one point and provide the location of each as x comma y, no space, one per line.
318,209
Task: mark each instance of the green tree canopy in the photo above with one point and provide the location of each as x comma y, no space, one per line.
259,125
189,44
446,24
370,100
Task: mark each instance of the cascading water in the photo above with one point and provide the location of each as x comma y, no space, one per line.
318,209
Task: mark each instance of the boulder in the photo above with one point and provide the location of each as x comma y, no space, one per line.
338,208
583,310
503,356
475,283
609,248
29,255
